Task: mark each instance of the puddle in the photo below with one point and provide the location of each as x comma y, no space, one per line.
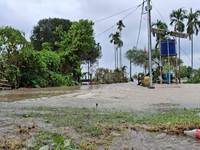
123,96
33,93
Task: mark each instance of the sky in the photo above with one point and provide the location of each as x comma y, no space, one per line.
24,14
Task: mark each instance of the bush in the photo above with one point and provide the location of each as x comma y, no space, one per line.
107,76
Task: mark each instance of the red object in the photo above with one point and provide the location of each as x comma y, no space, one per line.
193,133
198,134
145,52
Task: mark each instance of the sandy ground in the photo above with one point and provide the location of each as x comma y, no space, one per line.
118,96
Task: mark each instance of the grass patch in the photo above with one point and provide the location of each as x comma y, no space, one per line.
105,125
11,144
43,137
85,120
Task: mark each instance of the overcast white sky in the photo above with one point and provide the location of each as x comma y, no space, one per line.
24,14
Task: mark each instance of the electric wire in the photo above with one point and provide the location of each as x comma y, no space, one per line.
188,57
105,31
115,14
140,25
115,24
121,19
158,11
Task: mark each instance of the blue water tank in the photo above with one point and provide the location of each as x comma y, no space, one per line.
168,77
165,44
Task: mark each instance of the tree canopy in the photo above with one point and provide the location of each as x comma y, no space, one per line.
13,47
160,25
120,24
44,32
75,45
193,24
137,57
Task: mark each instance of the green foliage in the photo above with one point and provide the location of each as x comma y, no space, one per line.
93,55
78,118
195,78
140,75
167,68
123,69
177,17
42,69
25,66
62,144
44,32
120,24
193,24
107,76
185,71
44,137
75,45
160,25
135,76
137,57
115,38
13,48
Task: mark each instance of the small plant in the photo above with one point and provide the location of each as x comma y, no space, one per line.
62,144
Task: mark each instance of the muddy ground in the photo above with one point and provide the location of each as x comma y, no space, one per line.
126,96
114,96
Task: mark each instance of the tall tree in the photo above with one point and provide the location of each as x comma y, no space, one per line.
93,56
75,45
115,38
160,25
120,26
177,18
13,48
193,25
44,32
129,54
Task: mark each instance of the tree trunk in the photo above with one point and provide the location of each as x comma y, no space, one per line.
179,47
130,69
88,70
120,51
115,55
192,54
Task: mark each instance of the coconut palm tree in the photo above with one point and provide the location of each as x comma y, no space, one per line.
120,25
116,40
177,18
193,26
129,55
160,25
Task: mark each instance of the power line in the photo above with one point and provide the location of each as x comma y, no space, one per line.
158,11
140,24
186,54
188,57
121,19
106,30
115,14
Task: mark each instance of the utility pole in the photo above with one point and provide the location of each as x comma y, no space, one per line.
149,42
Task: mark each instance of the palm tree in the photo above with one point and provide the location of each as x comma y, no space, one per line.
116,40
177,18
160,25
129,54
120,25
193,26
